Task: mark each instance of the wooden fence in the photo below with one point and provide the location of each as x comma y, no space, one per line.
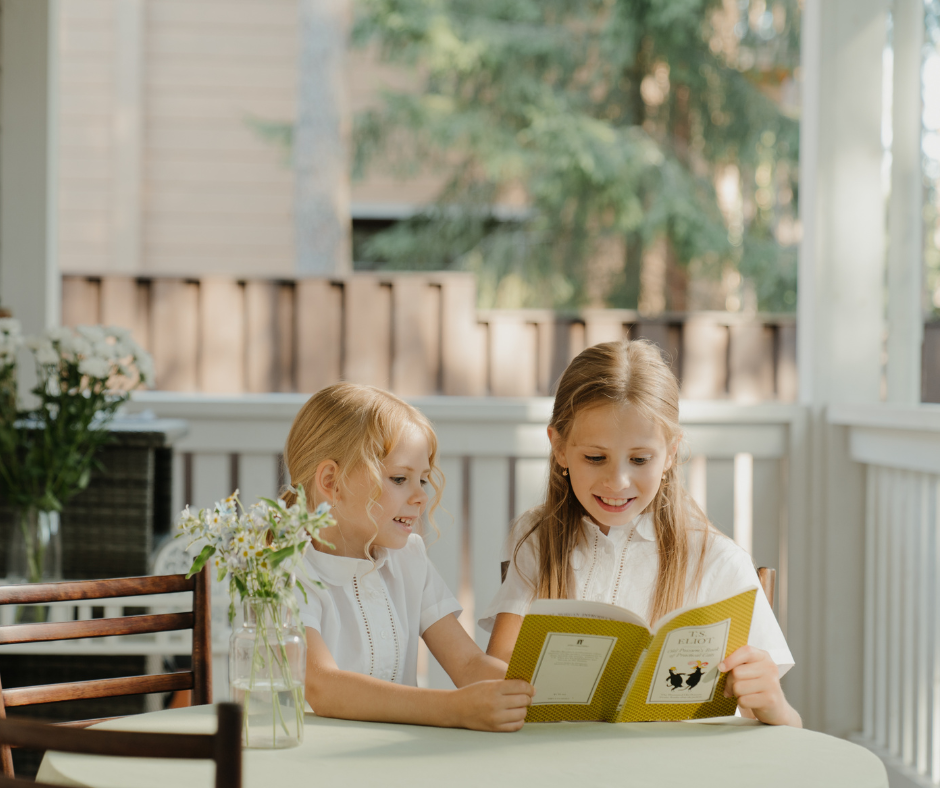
417,334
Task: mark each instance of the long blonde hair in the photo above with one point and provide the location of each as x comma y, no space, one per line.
625,373
355,426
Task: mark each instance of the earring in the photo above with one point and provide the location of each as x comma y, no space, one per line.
564,471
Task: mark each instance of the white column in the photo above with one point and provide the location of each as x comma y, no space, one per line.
29,275
323,227
840,343
905,216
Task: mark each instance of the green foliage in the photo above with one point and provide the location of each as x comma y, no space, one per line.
47,452
613,117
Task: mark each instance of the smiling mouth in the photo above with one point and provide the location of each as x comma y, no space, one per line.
614,504
405,522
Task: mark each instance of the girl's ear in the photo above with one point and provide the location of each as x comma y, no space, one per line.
326,481
558,447
671,456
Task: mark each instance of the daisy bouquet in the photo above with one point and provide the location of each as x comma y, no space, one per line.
47,449
260,551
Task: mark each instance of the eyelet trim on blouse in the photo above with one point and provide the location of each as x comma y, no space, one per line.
623,560
365,621
391,619
587,582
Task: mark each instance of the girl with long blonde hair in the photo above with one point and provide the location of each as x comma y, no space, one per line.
618,526
373,458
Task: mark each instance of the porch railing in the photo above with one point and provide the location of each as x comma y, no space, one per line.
900,688
494,456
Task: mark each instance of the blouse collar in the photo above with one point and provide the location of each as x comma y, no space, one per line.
643,523
339,570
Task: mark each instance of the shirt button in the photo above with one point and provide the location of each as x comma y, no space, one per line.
608,549
386,634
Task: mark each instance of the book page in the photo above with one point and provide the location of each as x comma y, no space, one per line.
687,668
570,667
679,680
579,608
579,666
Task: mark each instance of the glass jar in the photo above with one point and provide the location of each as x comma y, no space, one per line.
267,666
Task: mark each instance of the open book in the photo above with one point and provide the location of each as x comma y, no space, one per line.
594,661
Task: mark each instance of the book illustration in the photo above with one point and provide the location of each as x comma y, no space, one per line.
696,648
593,661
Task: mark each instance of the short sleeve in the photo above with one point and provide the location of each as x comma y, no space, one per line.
738,571
437,600
517,591
311,608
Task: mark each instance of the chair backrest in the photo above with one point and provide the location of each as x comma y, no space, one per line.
198,679
768,580
224,746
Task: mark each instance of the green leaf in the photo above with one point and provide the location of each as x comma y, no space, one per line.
285,552
200,561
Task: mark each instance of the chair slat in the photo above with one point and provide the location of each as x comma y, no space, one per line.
26,733
100,688
37,593
98,627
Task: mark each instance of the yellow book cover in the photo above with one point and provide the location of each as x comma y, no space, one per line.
600,662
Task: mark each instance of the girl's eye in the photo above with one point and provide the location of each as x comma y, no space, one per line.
398,479
641,460
599,458
425,482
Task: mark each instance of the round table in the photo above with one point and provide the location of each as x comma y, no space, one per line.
341,752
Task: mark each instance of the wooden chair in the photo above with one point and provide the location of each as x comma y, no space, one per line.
768,581
223,746
198,679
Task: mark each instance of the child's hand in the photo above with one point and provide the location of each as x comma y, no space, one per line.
493,705
754,679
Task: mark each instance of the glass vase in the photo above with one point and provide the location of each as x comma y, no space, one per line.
267,666
34,555
35,550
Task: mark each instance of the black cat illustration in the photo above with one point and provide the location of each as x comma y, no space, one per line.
694,677
674,679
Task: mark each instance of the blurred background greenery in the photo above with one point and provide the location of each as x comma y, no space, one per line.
621,153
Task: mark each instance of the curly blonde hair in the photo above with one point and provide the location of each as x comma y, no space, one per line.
355,426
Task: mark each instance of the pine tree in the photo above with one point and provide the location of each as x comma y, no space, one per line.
614,118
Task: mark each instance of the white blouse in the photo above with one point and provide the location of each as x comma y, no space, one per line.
622,571
371,615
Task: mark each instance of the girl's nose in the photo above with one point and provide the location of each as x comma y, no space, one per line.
419,496
620,477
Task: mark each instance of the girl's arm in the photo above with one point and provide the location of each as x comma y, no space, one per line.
486,705
504,636
754,679
463,660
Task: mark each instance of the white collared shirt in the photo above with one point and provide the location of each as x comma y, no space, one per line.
371,615
622,571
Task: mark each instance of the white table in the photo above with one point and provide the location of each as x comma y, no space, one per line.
573,755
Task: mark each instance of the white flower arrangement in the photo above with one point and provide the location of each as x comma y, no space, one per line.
47,450
259,549
11,338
